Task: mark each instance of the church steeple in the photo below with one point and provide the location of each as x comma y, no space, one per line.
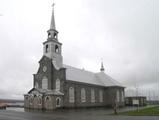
52,32
52,25
102,67
52,47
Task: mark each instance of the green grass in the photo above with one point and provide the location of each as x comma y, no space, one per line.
150,111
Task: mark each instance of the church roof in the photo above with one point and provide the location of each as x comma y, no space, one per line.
45,91
80,75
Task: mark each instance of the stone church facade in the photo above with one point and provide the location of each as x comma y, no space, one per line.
57,85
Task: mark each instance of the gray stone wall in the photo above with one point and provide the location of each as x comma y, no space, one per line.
40,74
107,95
48,102
51,73
33,101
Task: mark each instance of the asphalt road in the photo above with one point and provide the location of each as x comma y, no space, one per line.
79,114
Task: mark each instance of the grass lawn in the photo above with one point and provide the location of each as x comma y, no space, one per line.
150,111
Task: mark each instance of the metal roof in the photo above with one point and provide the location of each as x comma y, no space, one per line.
80,75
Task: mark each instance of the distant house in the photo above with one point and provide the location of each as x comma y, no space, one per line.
58,85
135,101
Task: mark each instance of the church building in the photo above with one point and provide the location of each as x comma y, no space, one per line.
57,85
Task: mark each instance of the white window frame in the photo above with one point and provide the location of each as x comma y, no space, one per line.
83,95
92,95
100,96
58,85
58,105
122,96
117,96
71,95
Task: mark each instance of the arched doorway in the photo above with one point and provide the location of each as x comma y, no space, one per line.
58,102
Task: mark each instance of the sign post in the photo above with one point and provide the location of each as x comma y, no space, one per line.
136,103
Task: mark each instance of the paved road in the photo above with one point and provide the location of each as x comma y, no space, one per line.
80,114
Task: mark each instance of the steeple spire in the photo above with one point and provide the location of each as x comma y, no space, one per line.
52,25
52,32
52,47
102,67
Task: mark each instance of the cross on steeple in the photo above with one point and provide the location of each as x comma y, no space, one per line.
102,66
52,32
53,5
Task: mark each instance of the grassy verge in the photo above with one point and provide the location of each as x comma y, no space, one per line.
150,111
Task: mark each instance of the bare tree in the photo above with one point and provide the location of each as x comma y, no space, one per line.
114,101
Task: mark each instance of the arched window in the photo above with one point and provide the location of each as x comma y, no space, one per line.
56,48
35,96
100,96
44,83
83,95
46,48
71,95
57,85
55,35
92,95
31,100
49,35
122,96
117,96
35,100
58,102
39,100
47,98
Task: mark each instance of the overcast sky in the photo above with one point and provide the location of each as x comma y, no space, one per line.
124,33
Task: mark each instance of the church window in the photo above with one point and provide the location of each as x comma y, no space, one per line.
117,96
122,96
56,48
92,95
58,102
55,35
57,85
83,95
46,48
47,98
44,83
100,96
31,100
71,95
49,35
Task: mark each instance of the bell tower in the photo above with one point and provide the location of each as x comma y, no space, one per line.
52,47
